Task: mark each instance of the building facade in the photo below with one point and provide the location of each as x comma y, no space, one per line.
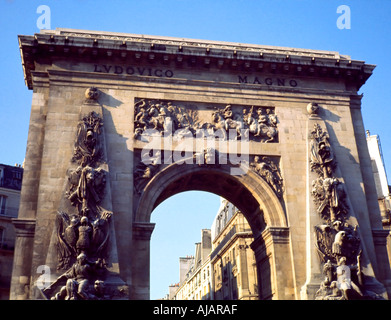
10,186
382,186
195,280
224,266
232,259
380,175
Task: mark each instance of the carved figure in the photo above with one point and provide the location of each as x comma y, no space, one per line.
312,108
206,156
145,171
225,124
100,234
339,282
83,242
141,119
88,149
329,196
75,236
322,157
78,280
269,171
167,118
227,112
86,189
332,244
338,243
328,270
71,233
91,94
163,120
344,281
263,125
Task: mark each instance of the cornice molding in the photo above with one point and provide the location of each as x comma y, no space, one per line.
49,45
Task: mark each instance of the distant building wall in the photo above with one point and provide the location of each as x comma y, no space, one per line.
224,265
10,186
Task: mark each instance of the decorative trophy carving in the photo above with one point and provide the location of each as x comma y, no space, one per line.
338,243
82,238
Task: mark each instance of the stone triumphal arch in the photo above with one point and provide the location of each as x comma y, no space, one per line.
120,122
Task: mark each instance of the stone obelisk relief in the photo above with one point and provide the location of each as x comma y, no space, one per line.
83,248
338,264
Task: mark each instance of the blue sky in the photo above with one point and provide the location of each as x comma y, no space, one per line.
292,23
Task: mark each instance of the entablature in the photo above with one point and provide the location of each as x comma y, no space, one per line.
187,53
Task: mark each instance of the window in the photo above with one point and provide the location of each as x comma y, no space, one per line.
17,175
3,200
1,237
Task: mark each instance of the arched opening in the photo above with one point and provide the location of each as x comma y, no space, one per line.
179,222
249,193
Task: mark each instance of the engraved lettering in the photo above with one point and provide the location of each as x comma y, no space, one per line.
269,81
140,71
169,74
107,68
242,79
96,69
256,81
118,69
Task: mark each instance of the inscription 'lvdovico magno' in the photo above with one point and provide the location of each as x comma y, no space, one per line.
168,73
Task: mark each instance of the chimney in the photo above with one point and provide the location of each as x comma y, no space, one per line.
206,244
185,263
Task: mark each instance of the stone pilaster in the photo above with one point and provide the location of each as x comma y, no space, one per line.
24,242
141,254
313,268
272,249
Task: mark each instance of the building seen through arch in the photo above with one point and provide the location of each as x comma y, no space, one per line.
223,266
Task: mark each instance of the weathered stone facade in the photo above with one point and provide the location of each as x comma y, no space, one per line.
161,101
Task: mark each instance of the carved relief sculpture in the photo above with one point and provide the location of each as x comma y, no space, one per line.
257,123
79,283
164,117
338,243
88,148
270,172
144,171
83,234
